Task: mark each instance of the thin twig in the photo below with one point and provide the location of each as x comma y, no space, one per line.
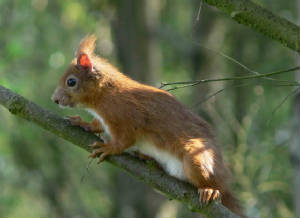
227,57
293,92
235,61
87,167
196,82
220,53
218,92
199,11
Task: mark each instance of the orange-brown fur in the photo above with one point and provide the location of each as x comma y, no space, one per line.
132,110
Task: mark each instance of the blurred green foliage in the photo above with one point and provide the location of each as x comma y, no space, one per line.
39,177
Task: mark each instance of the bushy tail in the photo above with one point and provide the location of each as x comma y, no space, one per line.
229,201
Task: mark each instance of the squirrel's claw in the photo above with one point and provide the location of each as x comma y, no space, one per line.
102,157
101,149
96,145
207,195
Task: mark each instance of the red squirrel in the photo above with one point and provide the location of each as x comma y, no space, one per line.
138,117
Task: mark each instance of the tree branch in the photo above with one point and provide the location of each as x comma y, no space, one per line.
262,20
146,171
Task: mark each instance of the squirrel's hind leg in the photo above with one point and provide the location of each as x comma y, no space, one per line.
203,170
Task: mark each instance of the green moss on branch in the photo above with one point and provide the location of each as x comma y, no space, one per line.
262,20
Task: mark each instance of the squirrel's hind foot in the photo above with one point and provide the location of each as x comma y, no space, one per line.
207,195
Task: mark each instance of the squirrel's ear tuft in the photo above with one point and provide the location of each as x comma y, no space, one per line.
87,45
84,62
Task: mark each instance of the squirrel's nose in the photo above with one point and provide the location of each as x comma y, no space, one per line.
53,98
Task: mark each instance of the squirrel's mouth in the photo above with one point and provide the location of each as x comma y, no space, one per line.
61,98
71,105
64,104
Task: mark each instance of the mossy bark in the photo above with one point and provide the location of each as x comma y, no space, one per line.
262,20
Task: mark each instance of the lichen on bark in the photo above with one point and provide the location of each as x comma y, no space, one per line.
262,20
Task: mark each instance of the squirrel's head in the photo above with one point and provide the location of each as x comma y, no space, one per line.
86,75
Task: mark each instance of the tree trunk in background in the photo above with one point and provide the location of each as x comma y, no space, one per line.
295,152
51,185
139,54
295,145
202,31
137,47
240,92
295,155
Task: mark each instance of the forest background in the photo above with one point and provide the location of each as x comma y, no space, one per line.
256,121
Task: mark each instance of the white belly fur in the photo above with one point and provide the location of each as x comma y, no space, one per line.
104,126
172,165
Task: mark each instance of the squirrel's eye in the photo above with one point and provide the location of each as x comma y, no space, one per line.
71,82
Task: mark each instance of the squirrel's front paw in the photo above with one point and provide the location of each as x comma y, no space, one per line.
94,126
100,150
77,121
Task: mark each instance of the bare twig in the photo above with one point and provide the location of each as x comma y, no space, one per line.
293,92
235,61
185,84
189,43
199,11
216,93
87,167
